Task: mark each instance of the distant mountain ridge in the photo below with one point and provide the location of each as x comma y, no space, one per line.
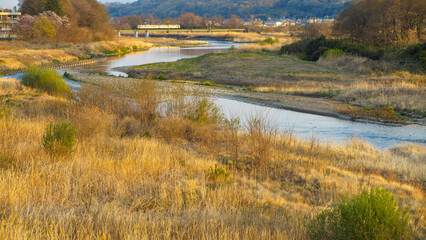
226,8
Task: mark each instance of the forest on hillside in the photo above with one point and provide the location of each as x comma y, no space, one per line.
223,8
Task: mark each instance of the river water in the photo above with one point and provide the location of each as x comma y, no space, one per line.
154,55
324,128
305,125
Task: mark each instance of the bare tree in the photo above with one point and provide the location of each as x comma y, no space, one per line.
382,22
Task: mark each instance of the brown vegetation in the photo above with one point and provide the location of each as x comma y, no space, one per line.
383,22
21,54
177,172
347,79
63,21
185,20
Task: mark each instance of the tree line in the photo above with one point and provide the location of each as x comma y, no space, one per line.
225,8
383,22
63,21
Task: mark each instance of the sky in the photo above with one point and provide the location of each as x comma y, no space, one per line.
10,3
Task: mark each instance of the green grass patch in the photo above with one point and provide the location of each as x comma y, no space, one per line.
268,41
250,69
333,53
48,80
110,52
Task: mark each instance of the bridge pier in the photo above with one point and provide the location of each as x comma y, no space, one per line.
119,34
146,34
136,34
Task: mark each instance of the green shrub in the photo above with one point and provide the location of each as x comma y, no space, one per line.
207,83
414,53
69,76
268,41
333,53
124,49
312,49
369,215
59,139
217,175
48,80
6,162
4,113
111,52
161,77
207,112
422,58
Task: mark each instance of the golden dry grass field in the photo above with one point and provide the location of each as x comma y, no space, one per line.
149,164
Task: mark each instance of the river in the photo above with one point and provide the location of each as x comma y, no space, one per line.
154,55
306,125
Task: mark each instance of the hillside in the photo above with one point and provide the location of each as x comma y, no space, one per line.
224,8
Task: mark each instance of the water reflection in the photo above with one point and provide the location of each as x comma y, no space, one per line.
154,55
325,128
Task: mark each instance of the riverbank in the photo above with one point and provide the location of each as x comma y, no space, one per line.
237,37
20,55
305,86
178,174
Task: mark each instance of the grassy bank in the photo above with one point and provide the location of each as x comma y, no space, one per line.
239,37
186,173
286,75
20,54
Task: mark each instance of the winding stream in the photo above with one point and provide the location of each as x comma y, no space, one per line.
329,129
306,125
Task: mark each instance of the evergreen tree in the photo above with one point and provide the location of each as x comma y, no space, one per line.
54,6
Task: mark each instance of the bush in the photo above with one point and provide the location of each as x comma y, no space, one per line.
313,49
217,175
161,77
369,215
207,83
59,139
6,162
207,112
333,53
415,53
48,80
268,41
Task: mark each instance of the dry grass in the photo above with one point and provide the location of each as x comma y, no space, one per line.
402,90
256,47
241,37
339,79
10,86
18,54
156,181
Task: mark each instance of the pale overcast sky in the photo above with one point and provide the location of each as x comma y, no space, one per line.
11,3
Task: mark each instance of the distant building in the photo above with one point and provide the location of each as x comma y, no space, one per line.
7,19
273,23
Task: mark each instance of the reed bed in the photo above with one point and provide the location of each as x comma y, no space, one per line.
152,163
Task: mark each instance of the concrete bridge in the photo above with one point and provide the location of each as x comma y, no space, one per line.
147,29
